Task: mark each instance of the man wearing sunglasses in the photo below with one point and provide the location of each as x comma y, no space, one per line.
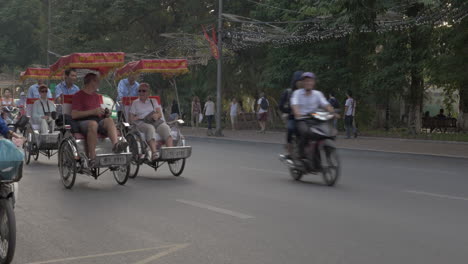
93,119
43,112
146,114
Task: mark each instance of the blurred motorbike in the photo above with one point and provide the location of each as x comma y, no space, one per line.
320,155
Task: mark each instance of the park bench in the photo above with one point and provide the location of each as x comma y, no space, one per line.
443,125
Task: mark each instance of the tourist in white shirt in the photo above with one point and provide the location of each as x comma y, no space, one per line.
139,115
350,111
42,112
209,111
234,111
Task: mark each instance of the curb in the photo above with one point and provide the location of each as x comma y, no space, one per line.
345,148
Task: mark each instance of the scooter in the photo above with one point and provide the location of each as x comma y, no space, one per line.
321,156
7,221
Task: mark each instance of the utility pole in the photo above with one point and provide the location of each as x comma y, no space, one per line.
48,34
219,108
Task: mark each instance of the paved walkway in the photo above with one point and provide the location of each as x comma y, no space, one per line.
426,147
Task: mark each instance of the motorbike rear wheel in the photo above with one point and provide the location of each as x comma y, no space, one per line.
7,231
330,167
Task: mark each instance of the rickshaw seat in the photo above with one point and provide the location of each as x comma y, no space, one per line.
82,136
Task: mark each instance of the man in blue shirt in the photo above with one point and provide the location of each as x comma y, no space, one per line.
127,87
5,131
66,87
33,91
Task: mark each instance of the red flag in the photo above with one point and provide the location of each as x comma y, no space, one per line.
212,42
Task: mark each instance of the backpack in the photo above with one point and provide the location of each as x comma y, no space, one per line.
264,104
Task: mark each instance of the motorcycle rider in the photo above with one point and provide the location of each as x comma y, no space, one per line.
305,101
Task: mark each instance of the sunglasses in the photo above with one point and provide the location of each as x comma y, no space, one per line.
43,91
142,91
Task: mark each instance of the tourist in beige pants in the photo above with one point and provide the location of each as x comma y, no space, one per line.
141,108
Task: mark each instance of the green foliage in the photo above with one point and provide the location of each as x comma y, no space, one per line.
378,68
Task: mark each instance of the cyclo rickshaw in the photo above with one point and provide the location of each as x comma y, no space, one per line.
175,156
72,154
37,143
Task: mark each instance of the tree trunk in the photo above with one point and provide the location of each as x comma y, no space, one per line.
463,107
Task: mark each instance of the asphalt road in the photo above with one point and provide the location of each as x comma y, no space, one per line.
236,203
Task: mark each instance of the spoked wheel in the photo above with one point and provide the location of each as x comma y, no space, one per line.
67,165
177,167
121,174
331,167
27,147
7,231
36,152
296,174
135,150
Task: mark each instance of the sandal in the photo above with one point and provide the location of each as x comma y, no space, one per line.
155,156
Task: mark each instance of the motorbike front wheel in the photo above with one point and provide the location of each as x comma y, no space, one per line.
330,166
7,231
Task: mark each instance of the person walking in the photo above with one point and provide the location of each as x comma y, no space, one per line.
334,102
350,111
234,111
209,111
196,111
262,111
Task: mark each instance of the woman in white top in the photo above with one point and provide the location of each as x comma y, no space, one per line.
42,112
152,125
6,99
233,112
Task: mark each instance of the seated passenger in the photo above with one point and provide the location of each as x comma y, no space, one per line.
43,112
146,114
91,118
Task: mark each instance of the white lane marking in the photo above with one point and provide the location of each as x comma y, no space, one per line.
109,254
215,209
263,170
437,195
162,254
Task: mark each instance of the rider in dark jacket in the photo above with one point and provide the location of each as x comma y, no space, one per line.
285,107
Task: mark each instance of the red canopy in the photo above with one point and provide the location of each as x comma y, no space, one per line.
103,62
39,73
167,67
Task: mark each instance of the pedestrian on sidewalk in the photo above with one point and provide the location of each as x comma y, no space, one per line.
285,108
262,111
334,102
209,111
350,112
234,111
196,111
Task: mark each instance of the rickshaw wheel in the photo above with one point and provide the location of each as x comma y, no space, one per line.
67,165
177,167
134,164
36,151
27,147
121,174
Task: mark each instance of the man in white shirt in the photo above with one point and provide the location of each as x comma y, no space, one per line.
305,101
350,111
262,111
209,111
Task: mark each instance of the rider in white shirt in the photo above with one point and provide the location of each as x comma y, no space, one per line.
305,101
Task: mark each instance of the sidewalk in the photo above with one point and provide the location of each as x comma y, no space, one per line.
425,147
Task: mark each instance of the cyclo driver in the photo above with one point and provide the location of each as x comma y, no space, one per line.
91,118
305,101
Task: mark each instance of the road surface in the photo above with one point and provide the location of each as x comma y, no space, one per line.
236,203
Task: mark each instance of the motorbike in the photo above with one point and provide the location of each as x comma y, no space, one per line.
320,155
11,173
